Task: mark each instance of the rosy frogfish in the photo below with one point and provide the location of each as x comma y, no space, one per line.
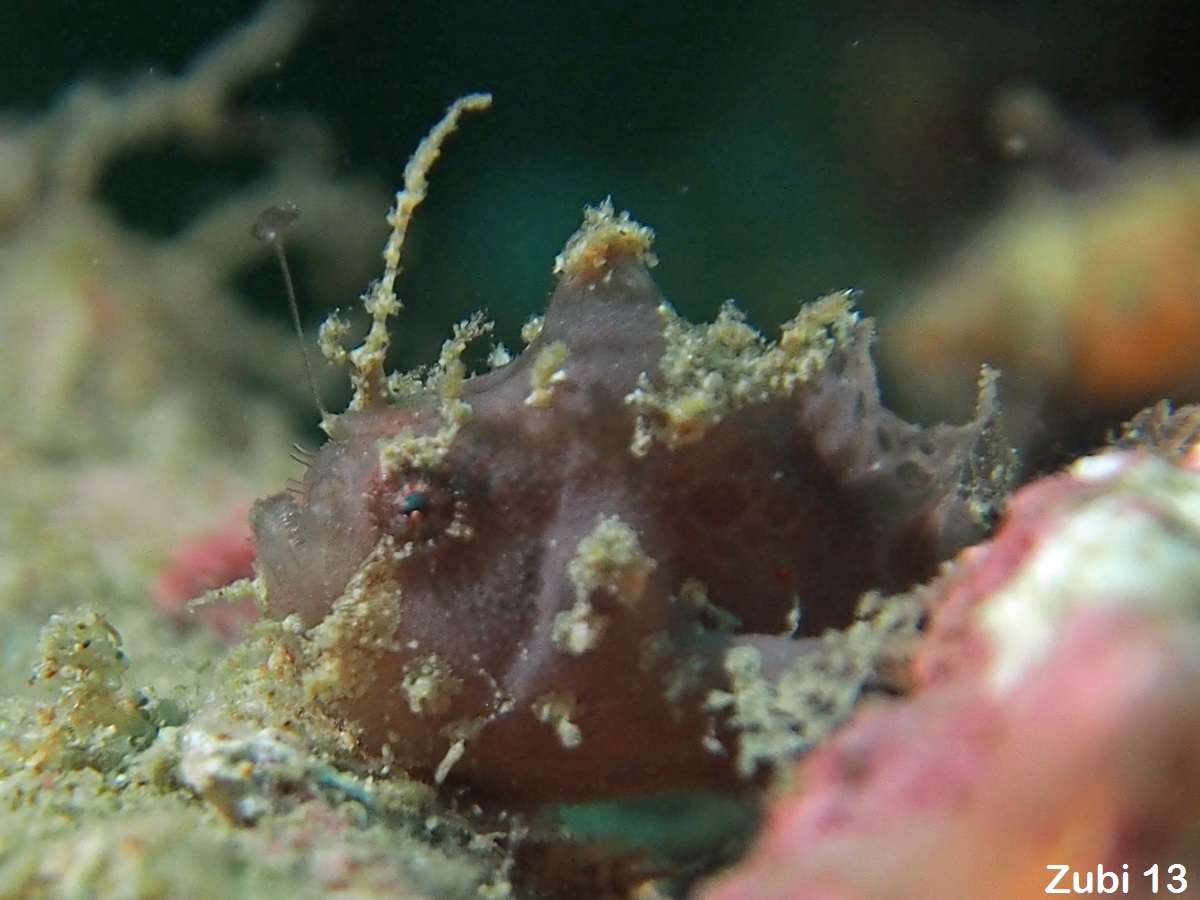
579,574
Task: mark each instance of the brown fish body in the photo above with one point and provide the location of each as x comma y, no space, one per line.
538,598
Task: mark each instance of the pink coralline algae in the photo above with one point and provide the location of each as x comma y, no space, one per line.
205,562
1054,723
604,565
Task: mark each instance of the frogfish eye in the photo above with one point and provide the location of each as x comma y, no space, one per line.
414,506
415,502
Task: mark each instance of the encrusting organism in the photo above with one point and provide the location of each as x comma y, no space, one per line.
609,564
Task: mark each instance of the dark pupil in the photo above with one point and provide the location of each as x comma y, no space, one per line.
415,501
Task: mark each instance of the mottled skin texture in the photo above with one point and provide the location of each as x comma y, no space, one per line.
809,498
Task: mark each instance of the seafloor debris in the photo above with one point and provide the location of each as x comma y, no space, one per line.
594,569
1082,290
98,783
94,720
1054,724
